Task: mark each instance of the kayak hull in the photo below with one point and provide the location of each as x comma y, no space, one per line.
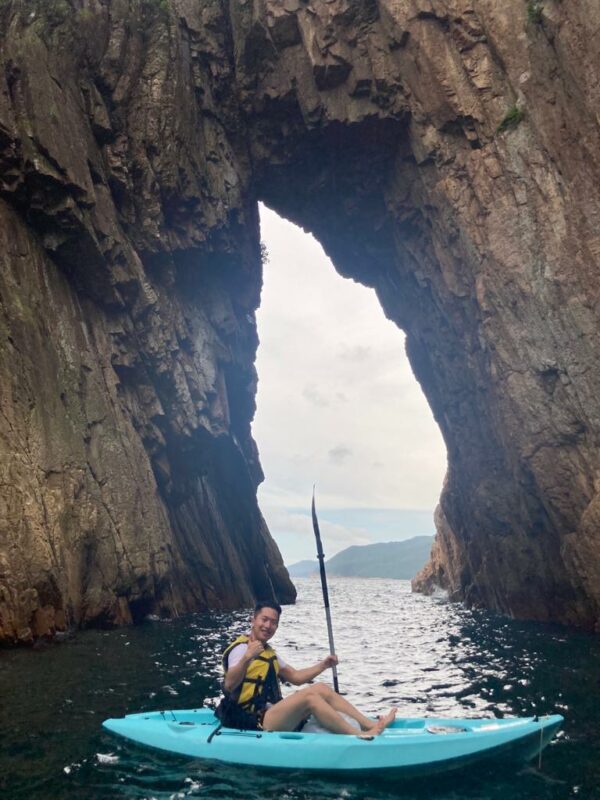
414,746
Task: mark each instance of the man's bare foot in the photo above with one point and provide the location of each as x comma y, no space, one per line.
380,724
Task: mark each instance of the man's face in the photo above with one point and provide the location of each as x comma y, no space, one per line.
264,624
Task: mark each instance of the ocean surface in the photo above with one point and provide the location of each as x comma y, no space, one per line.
424,655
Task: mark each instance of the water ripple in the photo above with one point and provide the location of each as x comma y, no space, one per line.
395,648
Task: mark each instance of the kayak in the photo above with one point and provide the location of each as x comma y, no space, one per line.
416,746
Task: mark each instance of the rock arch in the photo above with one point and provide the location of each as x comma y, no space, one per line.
444,152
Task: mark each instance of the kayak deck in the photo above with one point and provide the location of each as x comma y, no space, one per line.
413,745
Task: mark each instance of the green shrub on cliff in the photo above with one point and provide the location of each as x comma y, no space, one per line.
534,12
158,7
264,254
51,12
511,119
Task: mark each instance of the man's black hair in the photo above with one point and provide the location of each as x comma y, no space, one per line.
260,604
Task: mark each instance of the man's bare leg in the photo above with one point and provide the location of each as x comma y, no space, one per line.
325,705
342,705
383,722
288,713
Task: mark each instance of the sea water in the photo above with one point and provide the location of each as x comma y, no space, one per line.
423,655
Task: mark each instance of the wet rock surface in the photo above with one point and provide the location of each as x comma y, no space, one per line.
444,153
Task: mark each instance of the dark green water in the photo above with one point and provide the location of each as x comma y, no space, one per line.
395,648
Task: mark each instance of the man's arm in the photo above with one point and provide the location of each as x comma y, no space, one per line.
235,674
299,676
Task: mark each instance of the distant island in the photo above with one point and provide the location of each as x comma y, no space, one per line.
400,560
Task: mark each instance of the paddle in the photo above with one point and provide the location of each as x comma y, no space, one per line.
321,558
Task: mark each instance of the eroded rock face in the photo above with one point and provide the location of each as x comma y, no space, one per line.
130,275
444,153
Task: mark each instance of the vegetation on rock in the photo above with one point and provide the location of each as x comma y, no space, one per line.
511,119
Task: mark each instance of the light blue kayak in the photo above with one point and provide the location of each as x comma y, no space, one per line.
413,745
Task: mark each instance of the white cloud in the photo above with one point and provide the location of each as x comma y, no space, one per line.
356,353
332,369
313,395
296,538
339,454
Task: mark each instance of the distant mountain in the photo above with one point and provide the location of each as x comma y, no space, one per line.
382,560
401,560
301,569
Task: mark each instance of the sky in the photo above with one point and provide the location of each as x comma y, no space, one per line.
337,406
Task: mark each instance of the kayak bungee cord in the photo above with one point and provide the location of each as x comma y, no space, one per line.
321,558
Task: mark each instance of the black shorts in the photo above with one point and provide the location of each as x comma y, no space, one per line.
232,715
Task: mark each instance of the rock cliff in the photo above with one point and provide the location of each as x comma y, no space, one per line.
130,275
444,152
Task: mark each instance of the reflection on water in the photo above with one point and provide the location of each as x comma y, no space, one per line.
395,648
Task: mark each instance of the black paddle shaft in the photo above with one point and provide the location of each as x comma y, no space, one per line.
321,557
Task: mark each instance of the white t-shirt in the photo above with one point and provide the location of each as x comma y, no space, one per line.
236,655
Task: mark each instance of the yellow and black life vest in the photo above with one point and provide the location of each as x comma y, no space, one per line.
261,683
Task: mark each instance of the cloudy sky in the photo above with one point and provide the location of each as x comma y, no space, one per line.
337,406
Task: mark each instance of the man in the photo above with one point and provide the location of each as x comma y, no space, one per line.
252,692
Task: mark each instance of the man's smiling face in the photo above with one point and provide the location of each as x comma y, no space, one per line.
264,624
